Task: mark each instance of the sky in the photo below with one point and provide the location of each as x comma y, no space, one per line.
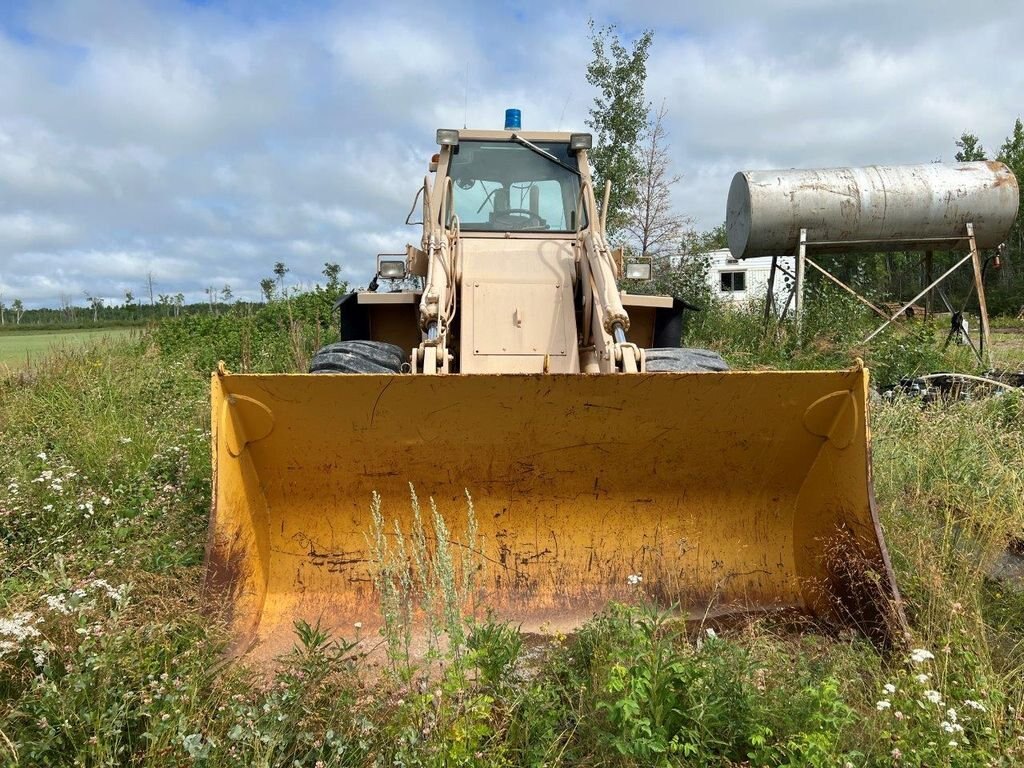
201,142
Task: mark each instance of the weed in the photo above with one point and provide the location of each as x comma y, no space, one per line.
494,650
421,583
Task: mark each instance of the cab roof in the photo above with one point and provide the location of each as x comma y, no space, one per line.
471,134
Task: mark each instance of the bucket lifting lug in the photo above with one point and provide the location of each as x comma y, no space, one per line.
833,417
244,420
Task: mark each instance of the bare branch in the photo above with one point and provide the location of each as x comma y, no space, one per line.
652,226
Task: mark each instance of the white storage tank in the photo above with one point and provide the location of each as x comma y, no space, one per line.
876,208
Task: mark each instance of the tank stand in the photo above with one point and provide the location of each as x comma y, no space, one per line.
984,350
803,260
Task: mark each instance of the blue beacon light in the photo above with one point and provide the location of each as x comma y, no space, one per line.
513,120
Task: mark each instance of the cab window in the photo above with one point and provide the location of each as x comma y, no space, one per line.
505,186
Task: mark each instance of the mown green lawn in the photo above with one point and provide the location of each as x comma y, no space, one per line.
21,348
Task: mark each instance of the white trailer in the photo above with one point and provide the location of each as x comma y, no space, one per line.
738,281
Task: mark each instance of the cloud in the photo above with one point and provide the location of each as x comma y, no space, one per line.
204,142
815,84
25,229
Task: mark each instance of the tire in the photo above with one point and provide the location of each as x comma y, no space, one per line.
379,352
358,357
681,360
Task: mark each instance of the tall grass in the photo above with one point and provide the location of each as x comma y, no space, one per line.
953,480
108,658
834,327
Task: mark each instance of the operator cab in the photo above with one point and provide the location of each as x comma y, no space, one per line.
508,186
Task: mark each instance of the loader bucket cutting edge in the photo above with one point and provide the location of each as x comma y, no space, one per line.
739,491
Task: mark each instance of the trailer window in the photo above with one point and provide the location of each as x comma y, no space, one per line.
502,186
733,282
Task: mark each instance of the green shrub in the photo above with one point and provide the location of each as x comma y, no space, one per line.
279,336
835,325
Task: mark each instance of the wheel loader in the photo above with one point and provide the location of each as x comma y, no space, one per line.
604,462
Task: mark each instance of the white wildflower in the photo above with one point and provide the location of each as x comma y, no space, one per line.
951,715
119,593
921,655
41,455
933,696
923,678
889,688
57,603
883,705
975,705
634,579
947,726
104,586
124,440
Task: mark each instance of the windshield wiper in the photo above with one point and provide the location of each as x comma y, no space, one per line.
544,153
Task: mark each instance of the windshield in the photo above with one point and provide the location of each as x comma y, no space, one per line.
503,186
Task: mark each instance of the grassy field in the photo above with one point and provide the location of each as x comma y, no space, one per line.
21,348
111,654
1008,348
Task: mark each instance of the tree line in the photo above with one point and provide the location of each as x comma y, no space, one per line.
132,310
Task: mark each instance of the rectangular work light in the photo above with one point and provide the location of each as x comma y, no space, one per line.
448,137
640,270
578,141
393,269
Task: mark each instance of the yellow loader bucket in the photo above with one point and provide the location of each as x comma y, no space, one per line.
717,492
